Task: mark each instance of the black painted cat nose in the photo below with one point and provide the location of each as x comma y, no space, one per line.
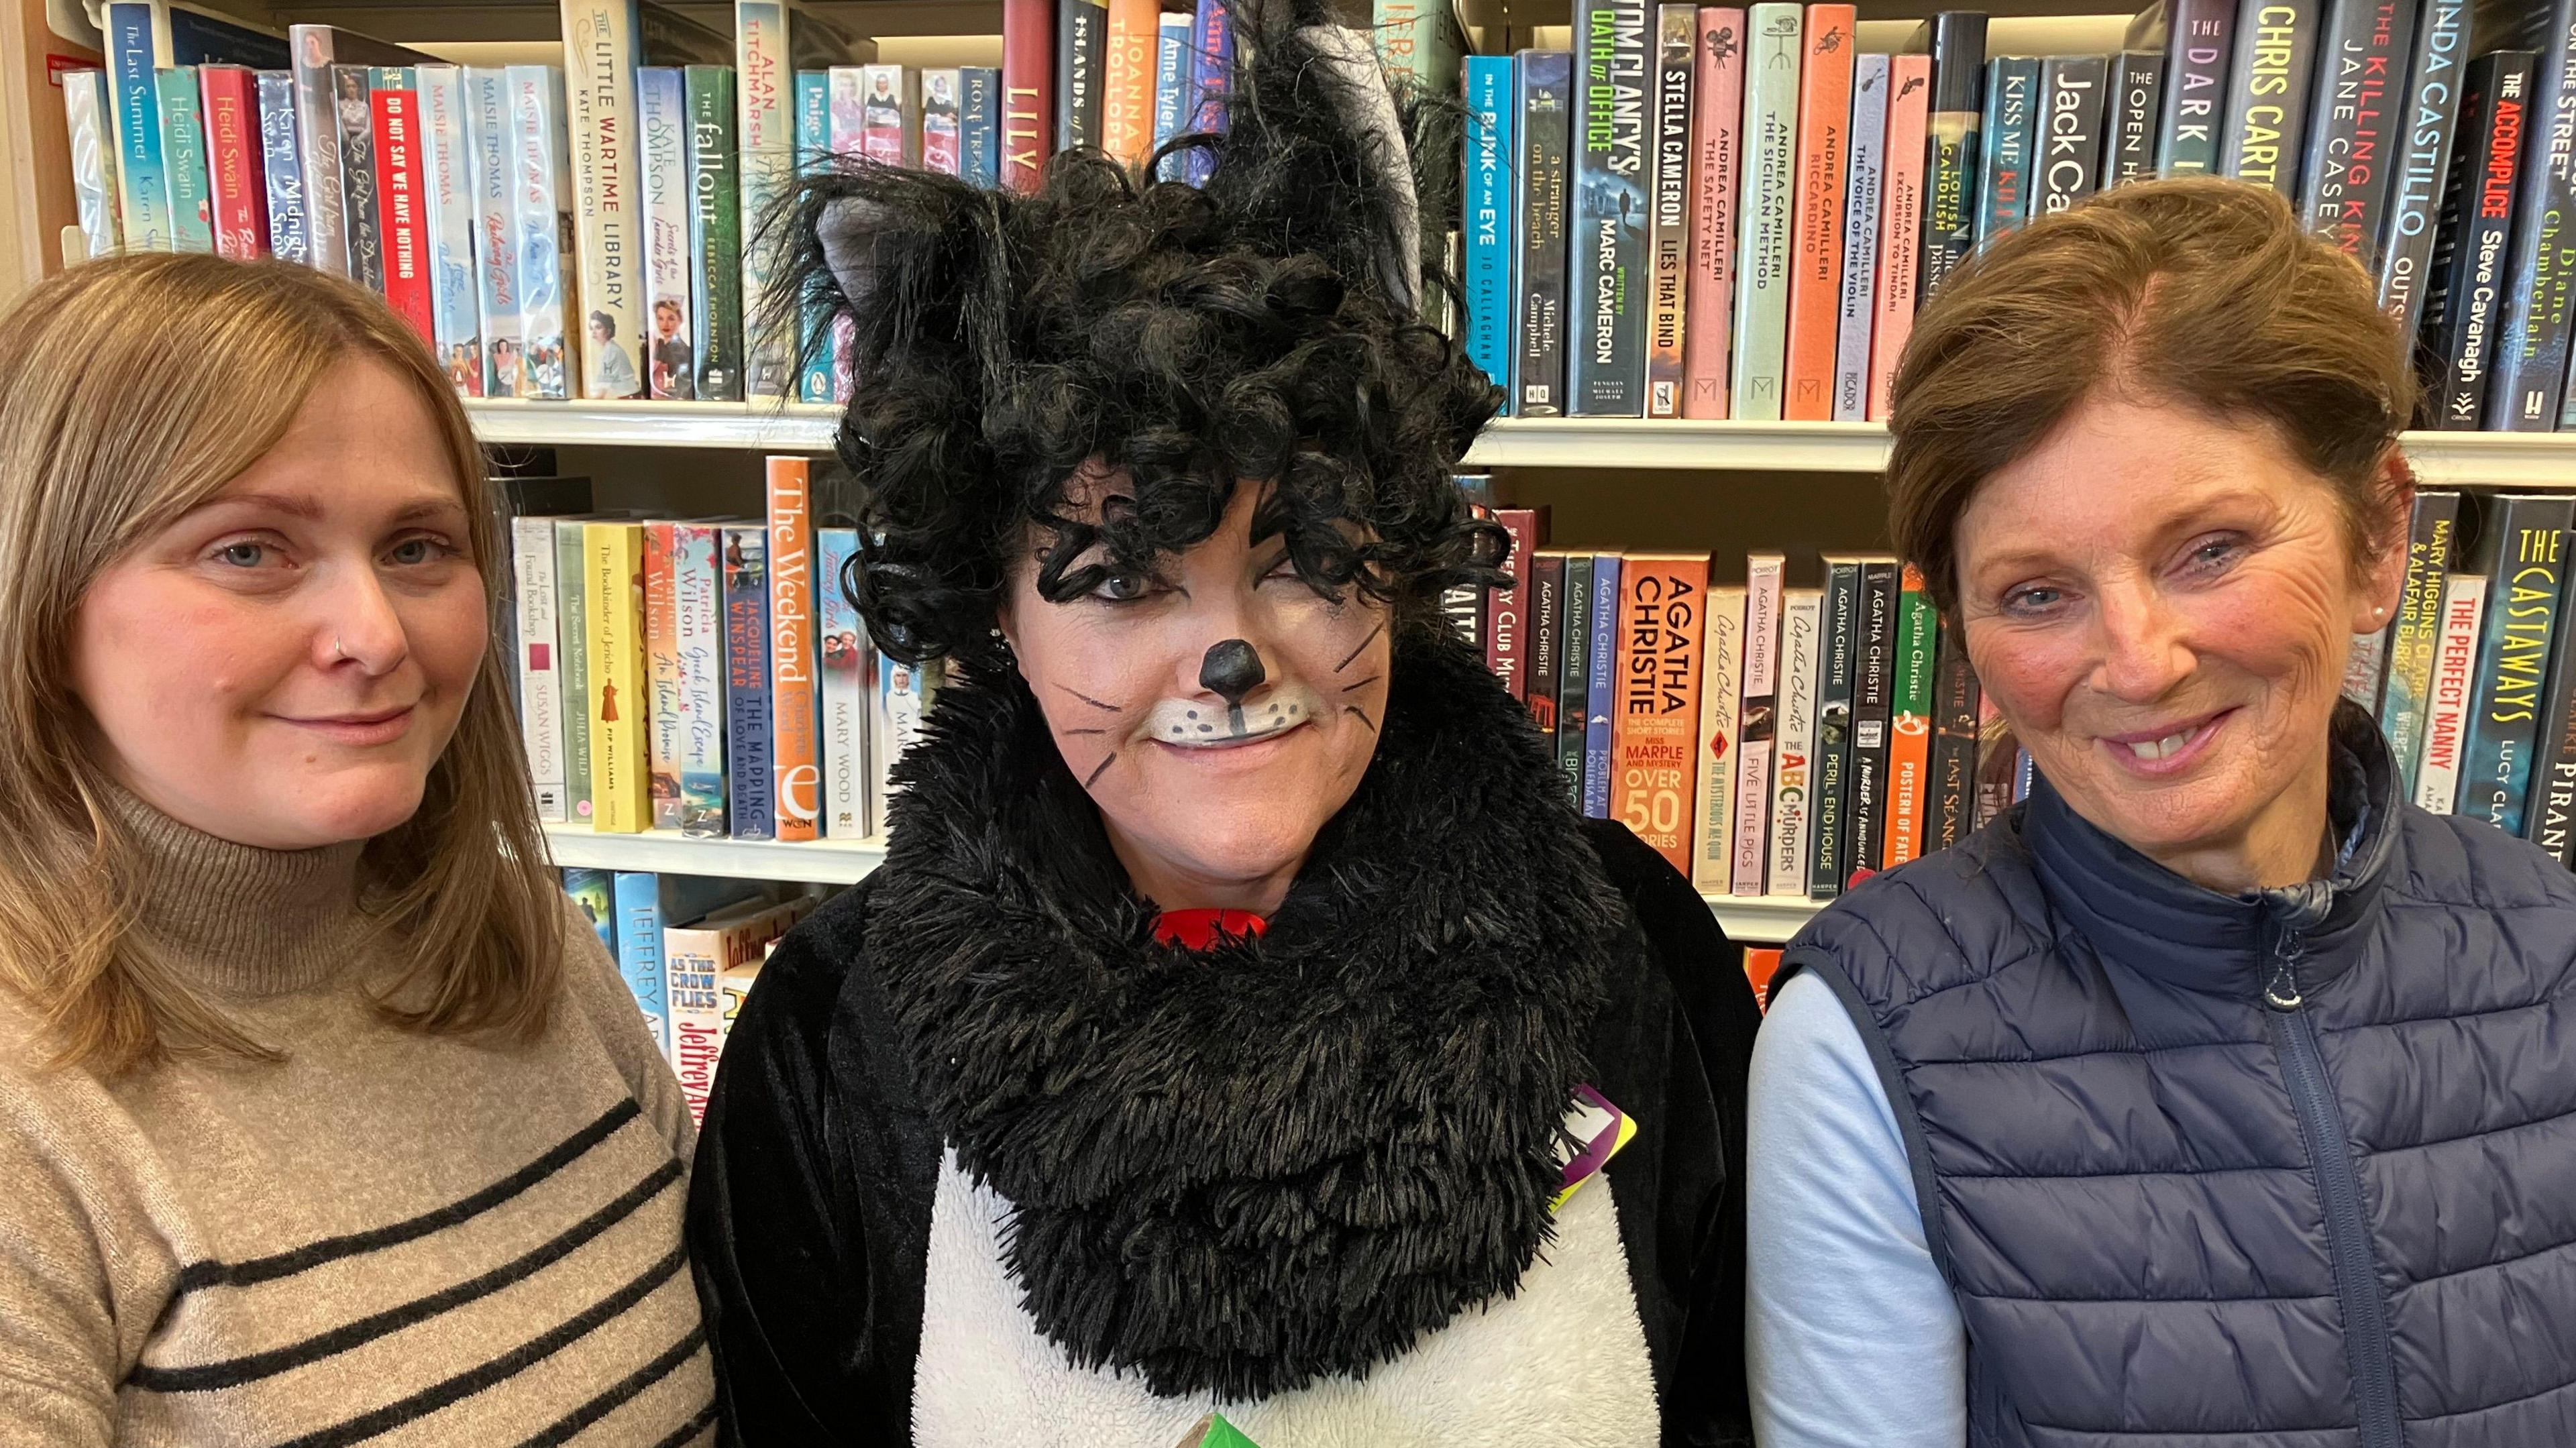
1231,670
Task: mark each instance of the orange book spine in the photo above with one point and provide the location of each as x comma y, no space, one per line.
1127,99
1816,244
795,766
1654,740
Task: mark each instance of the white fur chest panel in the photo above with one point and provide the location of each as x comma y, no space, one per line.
1562,1362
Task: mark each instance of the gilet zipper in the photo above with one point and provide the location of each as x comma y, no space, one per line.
2356,1265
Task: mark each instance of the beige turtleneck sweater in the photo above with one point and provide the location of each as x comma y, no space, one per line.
389,1238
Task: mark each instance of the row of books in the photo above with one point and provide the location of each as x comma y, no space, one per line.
705,676
1706,211
689,948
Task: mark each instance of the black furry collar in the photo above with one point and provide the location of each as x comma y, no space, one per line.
1247,1169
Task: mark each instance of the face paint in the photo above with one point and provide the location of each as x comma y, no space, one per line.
1218,714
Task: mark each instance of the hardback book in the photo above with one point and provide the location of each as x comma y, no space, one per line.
1757,723
1860,239
1601,695
1211,70
2478,222
1543,679
698,608
402,212
745,561
88,119
905,694
1506,632
1606,348
2361,82
496,230
1668,232
2447,702
1816,241
795,766
1127,94
1720,694
2268,87
765,148
1172,75
1900,227
447,220
1545,82
1956,41
1793,766
1837,669
979,125
541,729
714,235
2069,152
2199,57
1708,302
2420,159
1765,212
1574,695
1873,694
638,896
1081,71
1419,40
1909,727
236,192
1956,711
183,158
314,51
1487,217
2135,96
2540,298
942,148
621,684
695,957
2549,817
2416,633
662,715
134,124
600,54
670,362
842,640
2523,554
1661,630
2010,126
1028,91
816,108
361,208
542,203
290,230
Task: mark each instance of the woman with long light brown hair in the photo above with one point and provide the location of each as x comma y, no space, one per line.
318,1121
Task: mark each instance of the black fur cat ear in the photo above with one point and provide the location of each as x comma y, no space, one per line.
908,264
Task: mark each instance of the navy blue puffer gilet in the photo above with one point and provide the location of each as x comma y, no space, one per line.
2293,1170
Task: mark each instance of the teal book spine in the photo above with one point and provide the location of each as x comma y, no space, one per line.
1490,241
1770,149
143,187
2012,90
639,950
813,153
183,158
2524,551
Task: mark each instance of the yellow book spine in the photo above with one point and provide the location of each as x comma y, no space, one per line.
621,798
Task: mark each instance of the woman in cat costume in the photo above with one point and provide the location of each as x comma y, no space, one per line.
1241,990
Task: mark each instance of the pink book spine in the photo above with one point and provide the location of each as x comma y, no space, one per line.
1717,109
1900,223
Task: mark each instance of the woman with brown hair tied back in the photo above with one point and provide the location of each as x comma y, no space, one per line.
322,1120
2216,1094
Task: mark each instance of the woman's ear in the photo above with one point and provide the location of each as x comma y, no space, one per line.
2393,496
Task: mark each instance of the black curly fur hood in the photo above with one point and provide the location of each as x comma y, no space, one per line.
1246,1169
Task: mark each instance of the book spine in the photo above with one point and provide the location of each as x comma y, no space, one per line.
940,146
2446,719
815,108
1488,213
2012,88
2365,669
1956,701
2550,819
1816,253
2070,159
1872,693
715,236
1574,696
1546,122
1838,643
2523,589
183,158
844,692
746,601
1545,676
88,120
398,199
1606,369
541,730
1081,63
1601,697
2136,95
765,141
572,613
1860,239
1909,728
599,84
1900,230
1952,144
979,126
662,671
1708,303
662,104
1720,692
361,216
2479,216
496,244
1507,636
1793,773
698,624
143,183
317,143
2267,93
542,205
1172,73
1028,91
2428,121
1418,40
1211,72
1764,224
619,692
905,696
447,222
290,232
2361,83
2199,57
1996,772
1661,631
639,951
239,194
1127,99
2416,635
795,766
693,968
1669,217
2531,338
1756,723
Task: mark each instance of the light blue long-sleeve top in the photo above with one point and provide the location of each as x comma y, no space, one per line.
1852,1339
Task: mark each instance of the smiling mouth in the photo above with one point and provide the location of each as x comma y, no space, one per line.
2155,748
1234,740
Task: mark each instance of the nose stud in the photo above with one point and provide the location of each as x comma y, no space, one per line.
1231,670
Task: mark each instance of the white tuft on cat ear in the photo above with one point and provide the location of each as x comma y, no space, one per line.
1368,108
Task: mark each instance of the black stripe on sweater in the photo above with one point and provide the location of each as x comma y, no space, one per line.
621,1391
233,1372
331,1249
688,1432
500,1369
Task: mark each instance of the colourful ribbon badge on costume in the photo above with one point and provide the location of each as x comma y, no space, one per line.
1213,1431
1599,1130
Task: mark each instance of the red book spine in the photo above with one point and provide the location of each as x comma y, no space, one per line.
233,168
1708,305
398,204
1028,91
1507,615
1900,221
1816,247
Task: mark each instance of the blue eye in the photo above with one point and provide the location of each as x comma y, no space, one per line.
242,555
2031,600
414,551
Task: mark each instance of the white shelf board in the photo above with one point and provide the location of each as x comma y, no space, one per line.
825,862
1762,919
756,427
1627,442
